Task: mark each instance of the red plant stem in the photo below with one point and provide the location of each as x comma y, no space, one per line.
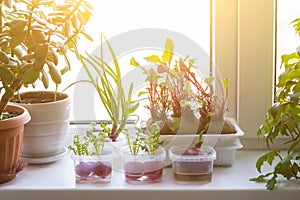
113,133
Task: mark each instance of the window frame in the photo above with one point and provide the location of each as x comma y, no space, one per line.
240,52
245,51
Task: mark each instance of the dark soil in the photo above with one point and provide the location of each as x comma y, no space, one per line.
7,115
38,97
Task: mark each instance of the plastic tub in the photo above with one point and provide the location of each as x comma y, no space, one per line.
143,168
215,140
226,155
94,169
192,169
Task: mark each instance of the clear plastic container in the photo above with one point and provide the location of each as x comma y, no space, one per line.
94,169
143,168
192,169
226,155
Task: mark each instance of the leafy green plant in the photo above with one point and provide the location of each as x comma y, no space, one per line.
34,36
175,90
283,119
147,141
108,77
93,142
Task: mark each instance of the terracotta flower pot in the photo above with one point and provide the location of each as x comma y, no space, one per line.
11,138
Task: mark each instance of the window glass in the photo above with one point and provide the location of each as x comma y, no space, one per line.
137,29
287,39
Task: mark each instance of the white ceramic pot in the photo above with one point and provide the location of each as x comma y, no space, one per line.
45,135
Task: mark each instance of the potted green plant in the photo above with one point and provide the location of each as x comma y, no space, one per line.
106,78
143,157
91,157
186,103
282,119
36,38
12,122
176,93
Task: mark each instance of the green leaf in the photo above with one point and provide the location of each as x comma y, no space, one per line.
18,39
64,70
4,58
30,76
81,17
18,26
54,73
8,3
152,77
45,79
293,61
286,57
296,168
226,83
134,63
153,59
209,80
274,109
132,107
269,157
9,91
284,168
6,75
168,53
295,74
260,178
87,36
272,182
47,2
169,45
142,93
295,155
58,12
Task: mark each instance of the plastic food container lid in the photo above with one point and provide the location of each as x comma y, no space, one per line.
107,155
175,154
160,154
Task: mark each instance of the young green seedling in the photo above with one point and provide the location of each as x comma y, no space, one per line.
94,139
147,141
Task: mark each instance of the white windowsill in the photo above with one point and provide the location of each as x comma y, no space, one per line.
56,181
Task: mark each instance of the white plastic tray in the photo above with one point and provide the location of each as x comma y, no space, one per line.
214,140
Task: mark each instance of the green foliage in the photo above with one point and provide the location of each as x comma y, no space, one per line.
287,167
93,142
34,36
283,119
152,141
174,88
147,141
296,25
108,85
